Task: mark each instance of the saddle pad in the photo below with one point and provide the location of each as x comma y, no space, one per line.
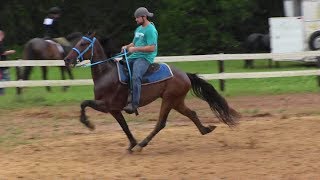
60,48
163,73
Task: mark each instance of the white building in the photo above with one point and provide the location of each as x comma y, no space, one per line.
299,30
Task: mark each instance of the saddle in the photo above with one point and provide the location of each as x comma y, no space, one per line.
155,73
152,67
59,46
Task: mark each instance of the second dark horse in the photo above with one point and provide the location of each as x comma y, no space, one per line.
41,49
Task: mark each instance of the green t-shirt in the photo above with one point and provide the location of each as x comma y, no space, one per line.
145,36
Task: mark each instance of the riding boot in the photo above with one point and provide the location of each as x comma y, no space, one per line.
130,108
139,68
129,99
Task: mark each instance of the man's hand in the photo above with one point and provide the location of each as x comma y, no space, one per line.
117,59
132,49
123,48
9,52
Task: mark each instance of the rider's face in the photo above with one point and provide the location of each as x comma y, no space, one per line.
1,35
140,20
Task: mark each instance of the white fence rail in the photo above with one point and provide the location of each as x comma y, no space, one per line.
82,82
214,57
35,83
208,57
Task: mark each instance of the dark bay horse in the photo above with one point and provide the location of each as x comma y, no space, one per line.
256,43
41,49
110,96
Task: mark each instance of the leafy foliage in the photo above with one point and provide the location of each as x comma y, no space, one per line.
185,27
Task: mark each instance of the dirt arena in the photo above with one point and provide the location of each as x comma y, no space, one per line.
277,138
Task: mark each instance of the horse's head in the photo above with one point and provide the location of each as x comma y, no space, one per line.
84,49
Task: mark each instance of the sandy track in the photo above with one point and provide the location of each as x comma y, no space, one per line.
278,138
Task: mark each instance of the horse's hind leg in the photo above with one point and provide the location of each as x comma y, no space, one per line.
164,112
18,75
183,109
44,76
26,72
248,64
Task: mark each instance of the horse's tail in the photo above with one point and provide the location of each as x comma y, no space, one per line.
217,103
28,51
28,54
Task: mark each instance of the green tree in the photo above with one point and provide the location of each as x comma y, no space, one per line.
185,27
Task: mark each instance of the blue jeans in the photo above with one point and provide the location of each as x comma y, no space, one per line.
139,68
5,77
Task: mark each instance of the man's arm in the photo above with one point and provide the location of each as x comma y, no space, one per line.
127,46
8,52
149,48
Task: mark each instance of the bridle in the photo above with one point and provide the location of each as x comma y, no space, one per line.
92,41
80,54
91,45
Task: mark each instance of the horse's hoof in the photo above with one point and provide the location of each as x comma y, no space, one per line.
132,145
91,126
212,127
65,88
208,129
129,151
137,148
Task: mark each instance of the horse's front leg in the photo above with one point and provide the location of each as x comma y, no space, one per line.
100,106
63,77
68,69
94,104
119,117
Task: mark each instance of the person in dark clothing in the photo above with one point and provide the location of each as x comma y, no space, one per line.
52,29
51,23
4,71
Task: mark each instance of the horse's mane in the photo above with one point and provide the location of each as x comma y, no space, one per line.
74,35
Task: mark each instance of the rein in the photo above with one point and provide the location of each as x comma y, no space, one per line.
80,55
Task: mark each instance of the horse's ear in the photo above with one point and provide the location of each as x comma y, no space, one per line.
91,34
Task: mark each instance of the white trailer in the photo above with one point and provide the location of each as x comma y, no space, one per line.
299,31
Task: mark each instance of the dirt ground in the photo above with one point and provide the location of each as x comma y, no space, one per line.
277,138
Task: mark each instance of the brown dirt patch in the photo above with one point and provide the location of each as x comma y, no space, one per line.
277,139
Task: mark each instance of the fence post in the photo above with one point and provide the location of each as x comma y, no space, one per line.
318,64
18,77
221,70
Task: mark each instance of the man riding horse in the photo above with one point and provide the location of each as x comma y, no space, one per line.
52,32
143,50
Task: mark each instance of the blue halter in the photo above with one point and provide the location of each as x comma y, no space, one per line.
80,54
80,57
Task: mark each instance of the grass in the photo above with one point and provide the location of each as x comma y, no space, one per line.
258,86
38,96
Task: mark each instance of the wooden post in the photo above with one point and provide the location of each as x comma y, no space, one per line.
318,64
18,77
221,70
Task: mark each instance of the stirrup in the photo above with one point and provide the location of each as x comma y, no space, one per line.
130,109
